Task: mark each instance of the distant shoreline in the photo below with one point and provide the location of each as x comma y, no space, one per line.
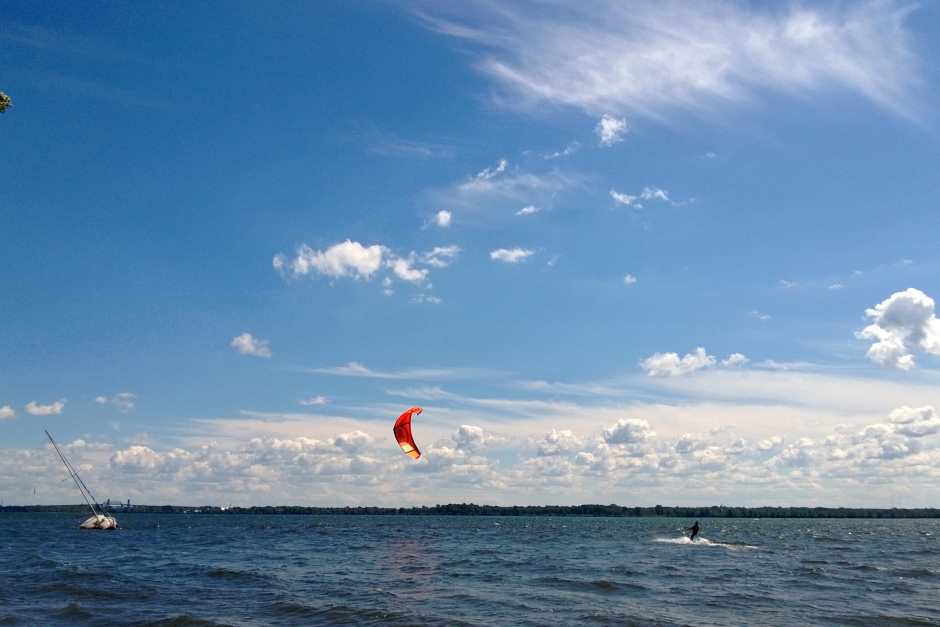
470,509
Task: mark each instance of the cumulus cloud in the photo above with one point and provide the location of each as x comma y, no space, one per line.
915,422
735,359
901,325
471,438
629,279
7,412
247,344
122,401
346,259
610,130
52,409
442,218
628,431
262,459
671,365
655,59
404,269
511,255
559,442
528,210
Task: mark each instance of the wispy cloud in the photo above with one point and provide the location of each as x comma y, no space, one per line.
122,401
313,401
396,147
356,369
652,58
647,194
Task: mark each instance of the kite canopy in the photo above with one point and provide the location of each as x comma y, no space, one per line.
402,432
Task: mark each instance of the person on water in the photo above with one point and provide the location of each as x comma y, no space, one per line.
693,531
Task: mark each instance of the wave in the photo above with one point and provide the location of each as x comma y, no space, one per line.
74,611
220,572
700,541
181,620
597,586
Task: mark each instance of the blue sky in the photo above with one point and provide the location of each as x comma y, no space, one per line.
210,214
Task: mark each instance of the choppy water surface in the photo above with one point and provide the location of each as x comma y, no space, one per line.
329,570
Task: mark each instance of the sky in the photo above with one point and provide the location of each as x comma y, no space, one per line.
637,253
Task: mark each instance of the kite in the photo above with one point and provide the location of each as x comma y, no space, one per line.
402,432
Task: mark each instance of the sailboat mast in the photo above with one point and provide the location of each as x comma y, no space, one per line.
86,493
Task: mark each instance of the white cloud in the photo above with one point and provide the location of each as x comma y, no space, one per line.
915,422
836,286
901,325
628,431
671,365
441,256
785,284
528,210
471,438
610,130
655,59
559,442
404,269
735,359
7,412
646,194
629,279
489,173
346,259
247,344
570,149
624,199
427,299
442,218
763,317
52,409
511,255
319,399
655,193
356,369
123,401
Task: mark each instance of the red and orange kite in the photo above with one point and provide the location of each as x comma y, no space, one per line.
402,432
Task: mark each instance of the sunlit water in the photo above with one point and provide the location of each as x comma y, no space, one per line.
397,570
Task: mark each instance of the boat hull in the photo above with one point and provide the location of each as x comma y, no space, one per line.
100,521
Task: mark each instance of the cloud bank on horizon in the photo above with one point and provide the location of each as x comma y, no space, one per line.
535,236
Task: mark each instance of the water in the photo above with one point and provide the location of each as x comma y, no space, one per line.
395,570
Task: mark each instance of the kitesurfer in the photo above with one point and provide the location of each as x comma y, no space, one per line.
693,531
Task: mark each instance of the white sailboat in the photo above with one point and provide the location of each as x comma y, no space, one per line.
98,519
